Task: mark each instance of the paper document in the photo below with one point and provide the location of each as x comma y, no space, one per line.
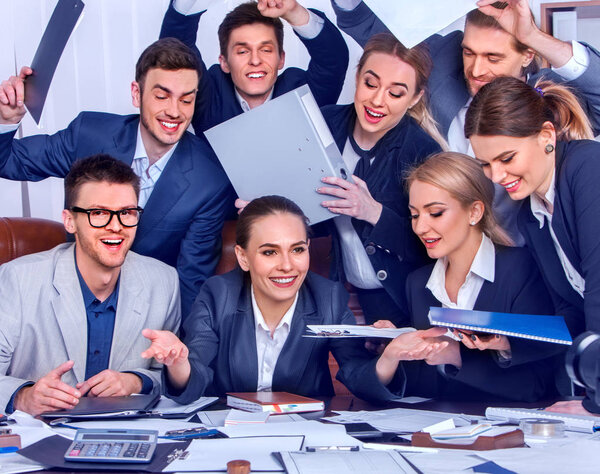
363,462
350,330
400,420
412,22
214,454
166,406
61,24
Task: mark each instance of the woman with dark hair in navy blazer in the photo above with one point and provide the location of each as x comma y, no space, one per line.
531,141
245,330
450,201
387,130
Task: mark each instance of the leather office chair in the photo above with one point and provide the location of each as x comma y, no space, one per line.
24,235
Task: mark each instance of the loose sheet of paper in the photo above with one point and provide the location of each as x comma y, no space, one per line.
412,22
400,420
363,462
214,454
349,330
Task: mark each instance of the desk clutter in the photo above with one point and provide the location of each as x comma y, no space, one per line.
396,440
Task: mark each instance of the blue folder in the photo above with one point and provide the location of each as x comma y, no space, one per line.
528,326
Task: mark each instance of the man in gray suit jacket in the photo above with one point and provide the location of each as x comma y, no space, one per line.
71,318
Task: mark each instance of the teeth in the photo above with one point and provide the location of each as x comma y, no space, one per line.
430,241
283,281
511,185
374,114
169,124
113,242
256,75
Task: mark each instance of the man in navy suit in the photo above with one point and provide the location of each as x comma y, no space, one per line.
496,42
184,191
251,44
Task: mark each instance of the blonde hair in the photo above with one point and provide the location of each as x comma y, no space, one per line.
462,177
418,58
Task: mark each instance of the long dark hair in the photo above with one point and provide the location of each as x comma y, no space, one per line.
510,107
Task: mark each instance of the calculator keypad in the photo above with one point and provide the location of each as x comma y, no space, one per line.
117,451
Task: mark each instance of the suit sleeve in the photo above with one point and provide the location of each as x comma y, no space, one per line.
393,231
329,57
200,249
587,88
584,191
10,330
532,298
171,323
360,23
40,156
185,29
202,341
357,366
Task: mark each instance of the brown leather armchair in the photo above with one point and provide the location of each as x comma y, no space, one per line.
24,235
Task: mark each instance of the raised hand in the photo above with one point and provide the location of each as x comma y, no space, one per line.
12,97
167,349
289,10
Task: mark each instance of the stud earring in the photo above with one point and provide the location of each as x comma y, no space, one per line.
473,222
549,148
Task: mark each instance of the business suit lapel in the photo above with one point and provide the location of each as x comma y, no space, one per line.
122,146
243,365
130,318
69,311
545,253
296,352
168,190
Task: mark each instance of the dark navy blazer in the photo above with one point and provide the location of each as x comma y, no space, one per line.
576,223
182,221
448,91
529,376
220,334
391,244
216,101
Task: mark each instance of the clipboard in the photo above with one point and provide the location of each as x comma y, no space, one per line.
53,42
282,147
132,406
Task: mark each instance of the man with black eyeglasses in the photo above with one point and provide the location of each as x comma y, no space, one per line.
184,191
71,318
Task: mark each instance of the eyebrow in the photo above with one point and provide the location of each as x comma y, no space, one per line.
247,45
267,244
503,154
434,203
487,53
401,84
169,91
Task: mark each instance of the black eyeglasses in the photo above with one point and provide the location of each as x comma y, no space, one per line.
101,217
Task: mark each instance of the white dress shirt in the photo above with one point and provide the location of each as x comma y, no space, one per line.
268,348
482,268
541,212
148,174
357,266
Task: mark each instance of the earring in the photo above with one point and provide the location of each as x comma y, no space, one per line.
473,222
549,148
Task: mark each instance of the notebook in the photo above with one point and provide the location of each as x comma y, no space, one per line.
528,326
583,423
283,147
275,402
108,407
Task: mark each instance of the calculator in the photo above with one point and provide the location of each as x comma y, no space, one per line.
104,445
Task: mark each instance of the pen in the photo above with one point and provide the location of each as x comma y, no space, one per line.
312,449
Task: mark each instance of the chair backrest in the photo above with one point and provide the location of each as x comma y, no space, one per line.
24,235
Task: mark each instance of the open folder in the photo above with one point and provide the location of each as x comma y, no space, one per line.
283,147
108,407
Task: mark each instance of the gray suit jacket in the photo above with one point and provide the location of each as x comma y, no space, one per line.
43,320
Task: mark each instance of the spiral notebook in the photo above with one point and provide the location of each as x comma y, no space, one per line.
581,423
528,326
